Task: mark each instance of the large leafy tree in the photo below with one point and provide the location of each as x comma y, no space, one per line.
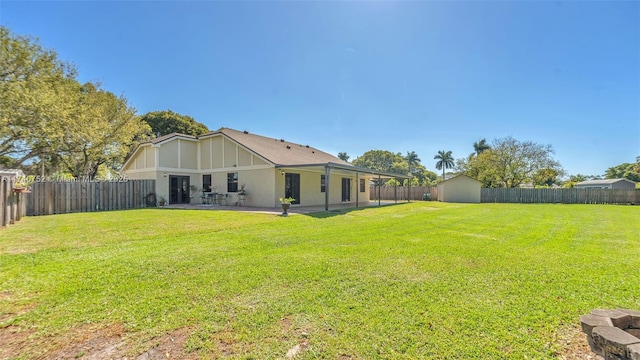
511,162
545,177
445,161
624,170
167,122
33,85
48,117
102,131
381,160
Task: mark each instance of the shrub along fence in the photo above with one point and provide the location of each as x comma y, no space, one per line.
12,204
563,196
402,193
60,197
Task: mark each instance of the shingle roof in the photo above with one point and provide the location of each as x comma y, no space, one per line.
279,151
602,182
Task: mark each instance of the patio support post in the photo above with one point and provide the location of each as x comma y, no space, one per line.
327,177
395,191
357,188
379,186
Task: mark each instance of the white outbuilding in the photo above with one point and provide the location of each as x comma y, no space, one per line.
461,188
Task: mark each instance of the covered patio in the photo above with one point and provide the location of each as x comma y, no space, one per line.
331,168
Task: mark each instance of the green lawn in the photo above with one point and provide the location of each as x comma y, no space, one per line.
420,280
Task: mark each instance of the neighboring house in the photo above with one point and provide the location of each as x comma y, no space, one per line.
607,184
461,188
226,160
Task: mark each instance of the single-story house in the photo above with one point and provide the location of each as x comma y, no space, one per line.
607,184
460,188
227,160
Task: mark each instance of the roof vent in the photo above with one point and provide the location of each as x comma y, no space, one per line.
245,132
288,147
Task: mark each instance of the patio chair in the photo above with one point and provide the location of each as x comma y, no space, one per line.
223,199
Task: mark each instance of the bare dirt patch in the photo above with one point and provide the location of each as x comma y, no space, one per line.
575,346
170,346
12,340
90,342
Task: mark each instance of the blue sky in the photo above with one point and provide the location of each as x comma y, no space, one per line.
356,76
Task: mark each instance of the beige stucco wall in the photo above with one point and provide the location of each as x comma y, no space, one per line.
150,155
188,154
259,184
219,153
140,162
229,153
216,148
310,191
143,159
459,189
205,154
169,154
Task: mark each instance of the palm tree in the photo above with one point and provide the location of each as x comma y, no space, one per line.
481,146
412,160
343,156
445,161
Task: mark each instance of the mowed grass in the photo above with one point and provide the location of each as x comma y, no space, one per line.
419,280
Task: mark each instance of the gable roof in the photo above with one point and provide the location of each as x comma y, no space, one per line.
460,176
167,137
279,151
603,182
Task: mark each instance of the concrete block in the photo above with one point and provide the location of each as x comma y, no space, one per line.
635,317
618,318
597,350
613,341
588,322
634,351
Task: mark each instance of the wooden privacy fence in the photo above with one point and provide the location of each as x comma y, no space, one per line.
402,192
60,197
12,204
563,196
